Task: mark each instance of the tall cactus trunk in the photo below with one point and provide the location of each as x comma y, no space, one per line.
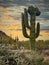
32,32
33,12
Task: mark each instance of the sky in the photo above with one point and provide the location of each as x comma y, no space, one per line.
10,17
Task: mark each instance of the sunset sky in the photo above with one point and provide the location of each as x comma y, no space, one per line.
10,17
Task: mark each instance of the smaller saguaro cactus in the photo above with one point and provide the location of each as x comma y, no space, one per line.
34,32
16,39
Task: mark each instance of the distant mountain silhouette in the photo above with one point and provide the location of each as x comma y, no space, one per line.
45,28
3,35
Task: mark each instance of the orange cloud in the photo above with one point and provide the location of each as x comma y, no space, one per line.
4,9
9,18
8,27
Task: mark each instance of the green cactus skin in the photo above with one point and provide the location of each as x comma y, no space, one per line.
33,12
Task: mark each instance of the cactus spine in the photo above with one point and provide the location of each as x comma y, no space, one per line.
33,12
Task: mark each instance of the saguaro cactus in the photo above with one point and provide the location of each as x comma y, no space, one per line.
34,32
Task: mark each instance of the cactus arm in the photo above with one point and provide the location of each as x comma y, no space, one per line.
24,28
26,18
38,30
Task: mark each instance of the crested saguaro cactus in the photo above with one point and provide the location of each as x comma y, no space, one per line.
34,32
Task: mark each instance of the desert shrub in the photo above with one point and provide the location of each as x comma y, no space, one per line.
25,44
40,44
2,63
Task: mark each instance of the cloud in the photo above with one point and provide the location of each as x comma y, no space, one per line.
14,8
45,28
43,5
8,20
